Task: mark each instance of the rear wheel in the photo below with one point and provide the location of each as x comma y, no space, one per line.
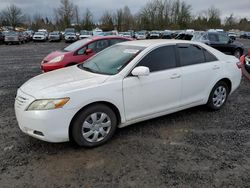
218,96
94,126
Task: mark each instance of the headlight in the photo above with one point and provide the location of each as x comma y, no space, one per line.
47,104
57,59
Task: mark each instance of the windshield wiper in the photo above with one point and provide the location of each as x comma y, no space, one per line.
89,69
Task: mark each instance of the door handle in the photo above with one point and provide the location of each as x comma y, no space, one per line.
175,76
216,67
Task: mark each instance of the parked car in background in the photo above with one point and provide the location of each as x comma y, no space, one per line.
232,35
1,37
184,36
154,35
69,30
79,52
46,33
26,36
13,37
39,36
141,35
166,34
97,32
70,37
85,34
245,35
222,42
125,34
122,85
55,36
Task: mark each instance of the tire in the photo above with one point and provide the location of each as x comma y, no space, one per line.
88,130
218,96
237,53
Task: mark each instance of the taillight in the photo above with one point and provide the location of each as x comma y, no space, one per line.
241,62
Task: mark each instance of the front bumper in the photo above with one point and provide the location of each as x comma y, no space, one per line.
46,67
46,125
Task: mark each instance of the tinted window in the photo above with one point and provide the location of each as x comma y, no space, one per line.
213,37
209,57
223,38
99,45
160,59
92,46
115,41
190,55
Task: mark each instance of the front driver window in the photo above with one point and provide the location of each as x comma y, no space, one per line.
160,59
81,51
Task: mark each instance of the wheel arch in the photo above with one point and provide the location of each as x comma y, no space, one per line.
109,104
226,80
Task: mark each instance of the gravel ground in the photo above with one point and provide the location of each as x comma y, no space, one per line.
191,148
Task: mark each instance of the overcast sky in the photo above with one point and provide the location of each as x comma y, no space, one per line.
240,8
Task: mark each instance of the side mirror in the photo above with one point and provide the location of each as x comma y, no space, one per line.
88,51
140,71
230,40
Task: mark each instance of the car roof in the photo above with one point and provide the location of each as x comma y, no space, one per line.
148,43
108,37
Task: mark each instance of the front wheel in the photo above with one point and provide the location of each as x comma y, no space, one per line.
94,126
218,96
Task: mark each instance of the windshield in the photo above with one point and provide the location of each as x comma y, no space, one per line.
54,33
11,33
76,45
39,33
112,60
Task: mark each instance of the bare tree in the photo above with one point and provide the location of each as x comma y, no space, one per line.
65,12
13,16
107,21
118,18
76,12
230,22
88,20
127,19
213,16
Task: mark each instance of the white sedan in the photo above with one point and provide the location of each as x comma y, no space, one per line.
39,36
124,84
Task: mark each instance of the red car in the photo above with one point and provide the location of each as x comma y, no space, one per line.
79,52
245,64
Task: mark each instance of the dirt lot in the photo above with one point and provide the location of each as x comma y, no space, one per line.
192,148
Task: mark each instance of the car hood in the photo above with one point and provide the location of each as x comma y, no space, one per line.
52,55
60,82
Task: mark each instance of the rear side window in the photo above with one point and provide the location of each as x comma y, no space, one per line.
115,41
190,55
209,57
160,59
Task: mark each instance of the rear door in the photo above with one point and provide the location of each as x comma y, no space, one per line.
198,69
